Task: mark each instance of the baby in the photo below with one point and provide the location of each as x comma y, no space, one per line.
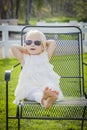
37,80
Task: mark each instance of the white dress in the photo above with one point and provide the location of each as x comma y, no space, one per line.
37,74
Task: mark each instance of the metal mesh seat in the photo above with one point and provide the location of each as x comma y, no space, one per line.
63,109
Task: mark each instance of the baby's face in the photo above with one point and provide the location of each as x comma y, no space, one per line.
34,45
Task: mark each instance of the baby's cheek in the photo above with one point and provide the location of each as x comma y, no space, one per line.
27,48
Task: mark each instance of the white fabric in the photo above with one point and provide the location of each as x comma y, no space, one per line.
37,73
35,95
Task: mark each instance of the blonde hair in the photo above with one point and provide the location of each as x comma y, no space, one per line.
34,32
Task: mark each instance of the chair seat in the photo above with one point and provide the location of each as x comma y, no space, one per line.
60,109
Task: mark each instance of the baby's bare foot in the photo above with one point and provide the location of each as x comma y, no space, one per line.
49,97
56,92
50,101
48,92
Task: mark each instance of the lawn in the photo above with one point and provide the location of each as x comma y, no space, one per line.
28,124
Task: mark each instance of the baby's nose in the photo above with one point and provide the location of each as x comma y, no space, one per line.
32,43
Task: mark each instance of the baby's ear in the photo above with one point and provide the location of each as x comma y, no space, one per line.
47,43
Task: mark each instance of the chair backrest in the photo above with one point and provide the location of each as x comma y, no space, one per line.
68,56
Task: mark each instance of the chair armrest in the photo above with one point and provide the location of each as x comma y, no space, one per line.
85,63
7,75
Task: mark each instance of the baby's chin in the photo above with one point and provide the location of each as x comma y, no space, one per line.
35,53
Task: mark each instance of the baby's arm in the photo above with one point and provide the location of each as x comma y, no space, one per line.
51,45
18,52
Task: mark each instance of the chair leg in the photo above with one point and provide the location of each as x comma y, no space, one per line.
18,123
82,126
6,105
7,124
18,117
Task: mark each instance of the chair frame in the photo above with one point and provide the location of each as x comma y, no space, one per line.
19,107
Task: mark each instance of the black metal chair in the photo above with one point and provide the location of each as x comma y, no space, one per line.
68,62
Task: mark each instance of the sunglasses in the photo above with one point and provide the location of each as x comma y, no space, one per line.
29,42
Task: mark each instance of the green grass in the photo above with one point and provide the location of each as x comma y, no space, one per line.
50,19
58,19
28,124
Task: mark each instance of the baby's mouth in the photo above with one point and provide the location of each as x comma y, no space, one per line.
32,49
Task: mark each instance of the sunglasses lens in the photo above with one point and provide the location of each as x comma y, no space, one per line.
37,43
28,42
